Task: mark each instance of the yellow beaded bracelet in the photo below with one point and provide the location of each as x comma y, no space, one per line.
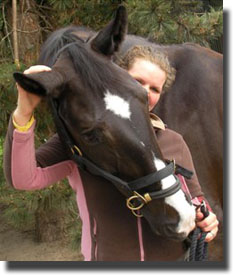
25,127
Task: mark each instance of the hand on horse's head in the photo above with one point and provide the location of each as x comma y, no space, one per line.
27,102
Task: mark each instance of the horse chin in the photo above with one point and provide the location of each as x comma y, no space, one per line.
179,237
168,232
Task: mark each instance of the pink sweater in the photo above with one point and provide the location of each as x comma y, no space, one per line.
28,176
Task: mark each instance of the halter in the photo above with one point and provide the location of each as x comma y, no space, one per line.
135,201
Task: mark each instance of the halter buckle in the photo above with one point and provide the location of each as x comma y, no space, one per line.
142,201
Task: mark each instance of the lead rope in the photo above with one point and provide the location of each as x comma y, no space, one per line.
199,248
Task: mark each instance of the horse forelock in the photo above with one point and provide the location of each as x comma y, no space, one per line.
55,42
95,72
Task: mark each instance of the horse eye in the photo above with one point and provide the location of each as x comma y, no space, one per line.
92,136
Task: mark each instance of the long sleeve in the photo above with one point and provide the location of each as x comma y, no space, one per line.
193,183
7,153
27,169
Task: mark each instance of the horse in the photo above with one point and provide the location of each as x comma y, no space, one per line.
197,89
104,112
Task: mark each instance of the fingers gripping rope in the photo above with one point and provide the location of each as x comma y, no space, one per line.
199,248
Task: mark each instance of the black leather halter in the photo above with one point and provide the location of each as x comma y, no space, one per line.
135,201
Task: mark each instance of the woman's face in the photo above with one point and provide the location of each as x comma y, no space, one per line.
151,77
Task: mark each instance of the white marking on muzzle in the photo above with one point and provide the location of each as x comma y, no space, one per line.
117,105
178,202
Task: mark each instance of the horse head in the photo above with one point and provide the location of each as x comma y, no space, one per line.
106,113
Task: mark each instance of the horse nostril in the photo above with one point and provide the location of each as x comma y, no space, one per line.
183,236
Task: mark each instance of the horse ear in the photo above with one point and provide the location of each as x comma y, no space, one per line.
41,84
108,40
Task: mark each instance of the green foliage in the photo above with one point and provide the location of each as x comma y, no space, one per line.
62,5
7,95
1,161
1,21
5,47
202,29
172,21
75,230
16,208
19,207
94,14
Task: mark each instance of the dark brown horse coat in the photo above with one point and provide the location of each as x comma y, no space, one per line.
193,107
116,235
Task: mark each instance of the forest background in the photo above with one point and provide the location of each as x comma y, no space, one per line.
52,213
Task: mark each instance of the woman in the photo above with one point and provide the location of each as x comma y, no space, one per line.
50,163
153,71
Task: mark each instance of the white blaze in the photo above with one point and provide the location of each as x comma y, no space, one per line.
178,202
117,105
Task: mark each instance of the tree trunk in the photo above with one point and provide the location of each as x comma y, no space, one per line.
14,30
26,30
50,224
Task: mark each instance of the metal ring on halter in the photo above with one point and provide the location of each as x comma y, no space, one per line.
131,206
77,150
137,214
136,195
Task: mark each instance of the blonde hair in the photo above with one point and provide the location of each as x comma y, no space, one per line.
149,54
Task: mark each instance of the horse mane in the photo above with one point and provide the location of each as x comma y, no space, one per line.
56,41
94,71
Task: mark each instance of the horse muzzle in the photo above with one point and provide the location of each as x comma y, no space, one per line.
169,232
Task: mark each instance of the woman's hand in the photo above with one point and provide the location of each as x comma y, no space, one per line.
27,102
209,224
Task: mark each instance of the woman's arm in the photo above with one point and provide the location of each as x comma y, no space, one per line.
27,169
23,167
